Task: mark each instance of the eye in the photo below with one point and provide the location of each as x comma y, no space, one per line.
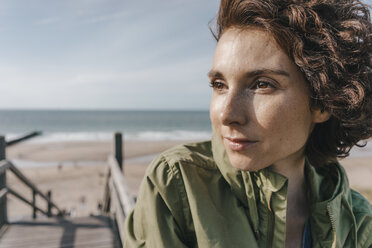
263,84
217,85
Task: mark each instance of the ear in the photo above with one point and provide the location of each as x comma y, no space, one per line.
320,116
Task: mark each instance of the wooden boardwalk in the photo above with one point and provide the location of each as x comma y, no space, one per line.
66,232
92,232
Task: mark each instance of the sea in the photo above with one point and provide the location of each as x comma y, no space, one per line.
99,125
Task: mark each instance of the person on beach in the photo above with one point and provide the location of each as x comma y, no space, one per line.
291,94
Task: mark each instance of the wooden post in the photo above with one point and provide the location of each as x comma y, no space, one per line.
106,198
34,204
107,201
49,203
3,203
119,150
2,148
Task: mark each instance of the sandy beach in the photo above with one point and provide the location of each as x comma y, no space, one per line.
75,172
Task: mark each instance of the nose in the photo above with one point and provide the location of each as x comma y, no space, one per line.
234,110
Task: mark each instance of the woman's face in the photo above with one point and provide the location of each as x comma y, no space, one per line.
260,104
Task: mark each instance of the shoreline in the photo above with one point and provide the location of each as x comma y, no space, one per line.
75,172
86,150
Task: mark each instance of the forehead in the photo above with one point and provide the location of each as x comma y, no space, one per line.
249,48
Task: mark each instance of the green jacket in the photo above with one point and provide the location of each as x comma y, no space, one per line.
192,197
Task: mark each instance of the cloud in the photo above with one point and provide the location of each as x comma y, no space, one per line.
106,54
158,87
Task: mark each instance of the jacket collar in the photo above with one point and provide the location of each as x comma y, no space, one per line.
241,181
244,183
328,188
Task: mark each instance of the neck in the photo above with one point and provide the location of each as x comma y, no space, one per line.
297,205
297,195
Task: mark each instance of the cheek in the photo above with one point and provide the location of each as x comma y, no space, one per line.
214,111
284,117
268,112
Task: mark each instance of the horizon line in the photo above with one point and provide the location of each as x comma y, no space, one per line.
97,109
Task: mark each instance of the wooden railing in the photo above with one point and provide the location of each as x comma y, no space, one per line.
23,138
3,189
5,166
117,199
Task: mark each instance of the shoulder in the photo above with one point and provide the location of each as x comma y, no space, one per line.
163,200
355,212
168,174
170,163
362,214
198,154
360,204
362,211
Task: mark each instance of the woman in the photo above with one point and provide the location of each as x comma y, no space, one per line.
291,93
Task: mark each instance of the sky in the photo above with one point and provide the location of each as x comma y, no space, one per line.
105,54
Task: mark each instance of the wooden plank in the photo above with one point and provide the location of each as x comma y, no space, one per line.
23,138
120,185
121,200
117,211
94,231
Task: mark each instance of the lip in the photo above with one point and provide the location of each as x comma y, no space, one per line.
238,144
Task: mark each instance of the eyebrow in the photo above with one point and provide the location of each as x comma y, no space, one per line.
214,74
217,74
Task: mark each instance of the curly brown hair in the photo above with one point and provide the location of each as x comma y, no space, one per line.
330,42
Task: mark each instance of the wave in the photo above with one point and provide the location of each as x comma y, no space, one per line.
172,135
108,136
147,136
